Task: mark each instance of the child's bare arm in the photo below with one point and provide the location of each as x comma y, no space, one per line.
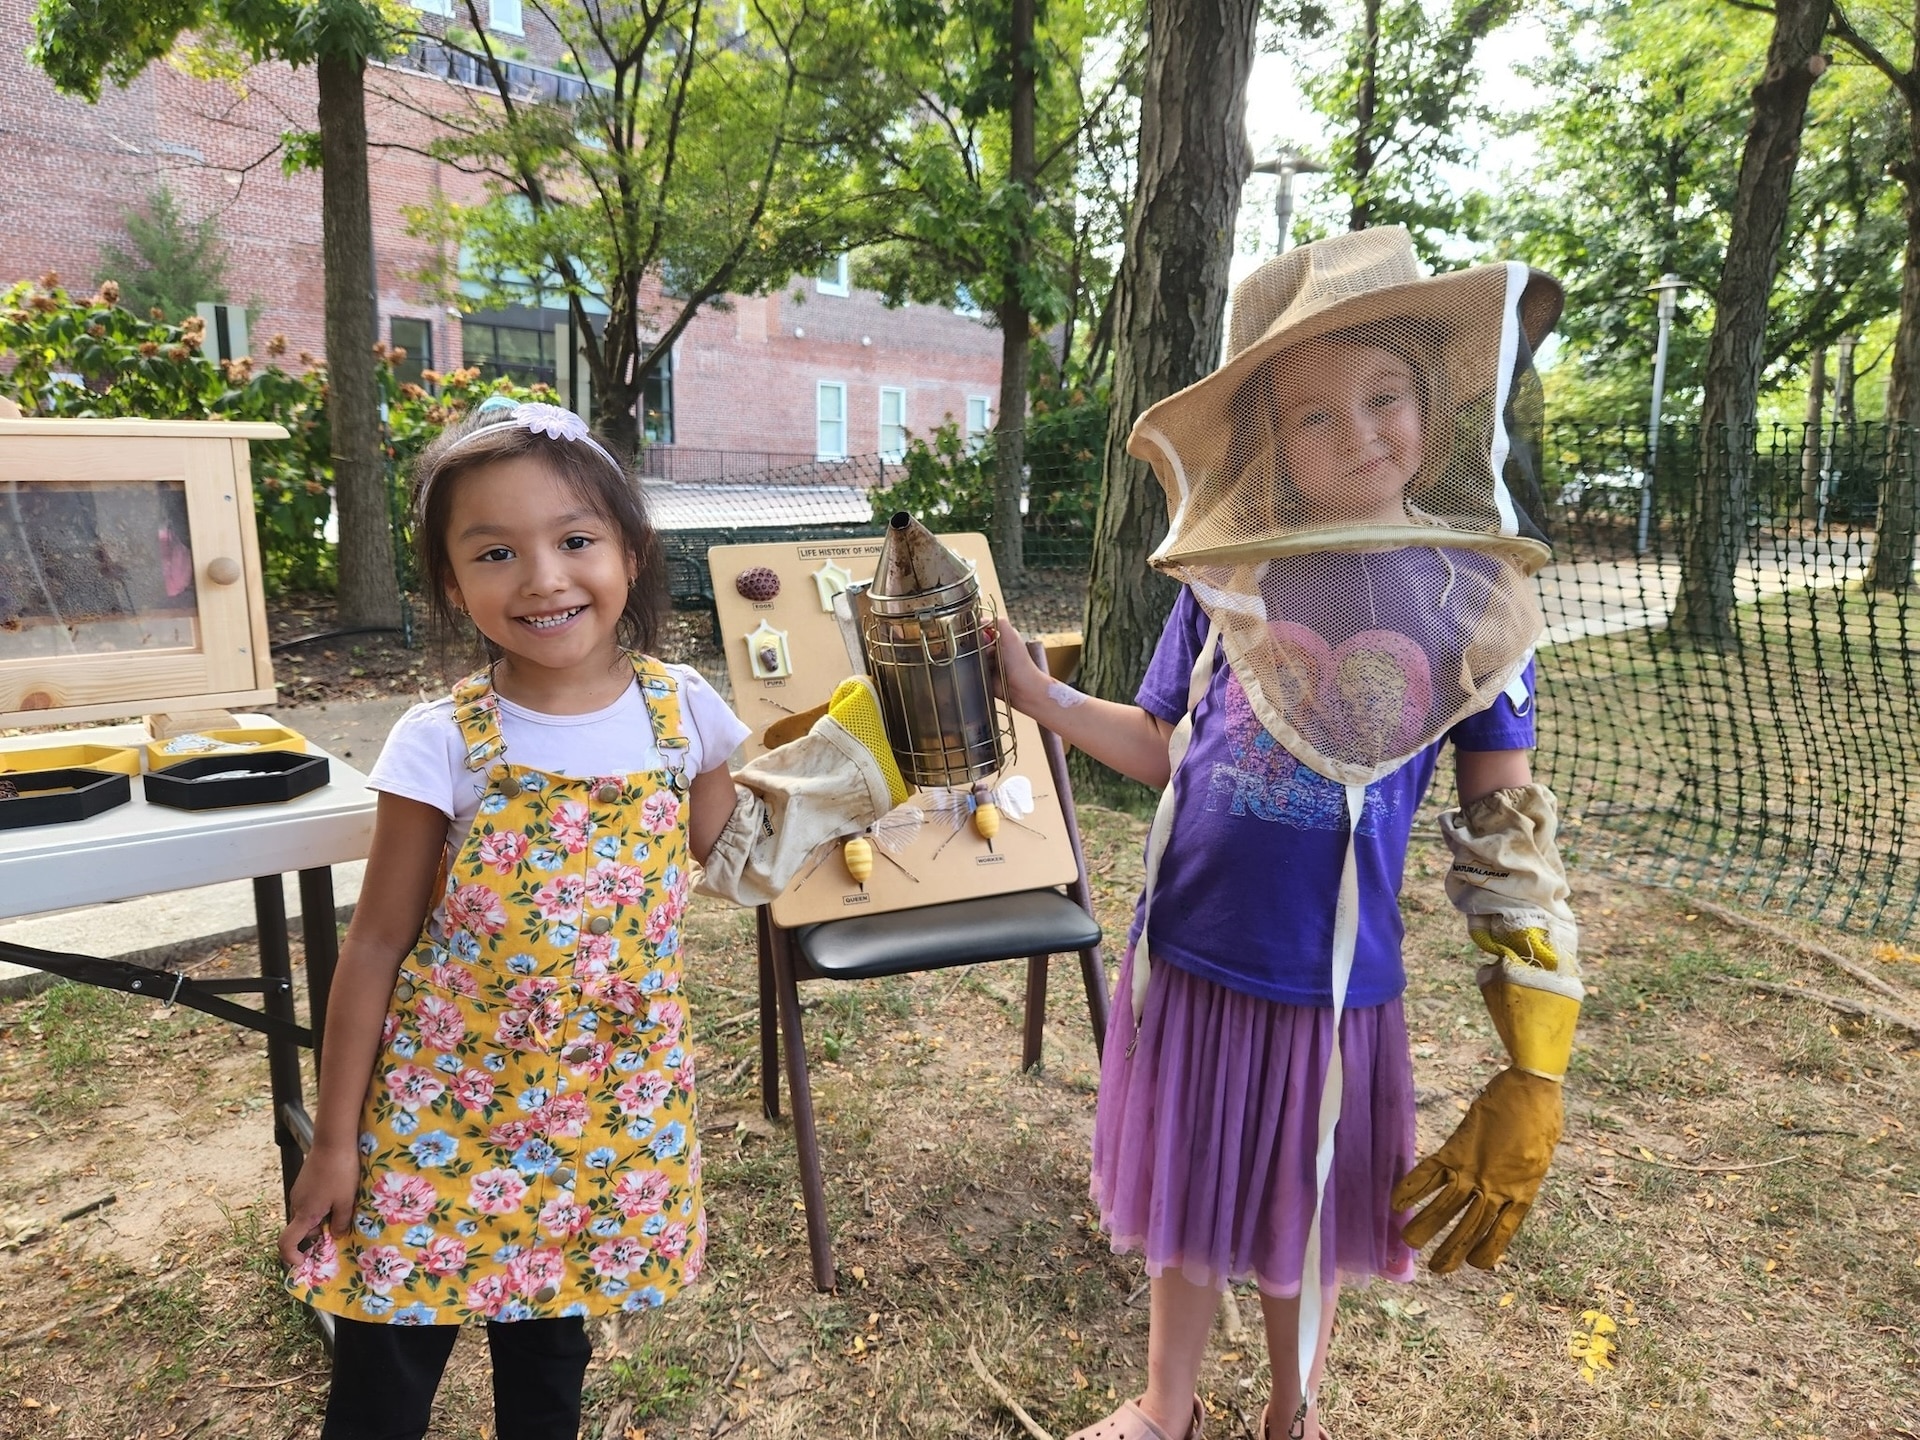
1481,772
1124,737
712,797
394,898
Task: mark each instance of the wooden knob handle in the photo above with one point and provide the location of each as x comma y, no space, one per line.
223,570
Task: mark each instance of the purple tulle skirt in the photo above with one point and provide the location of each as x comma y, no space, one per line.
1203,1139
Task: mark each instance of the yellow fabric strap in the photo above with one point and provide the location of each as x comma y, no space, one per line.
856,709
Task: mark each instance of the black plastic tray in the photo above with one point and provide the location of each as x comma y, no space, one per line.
214,782
74,795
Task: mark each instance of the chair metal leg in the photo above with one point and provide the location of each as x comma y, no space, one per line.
320,938
1036,1017
283,1056
769,1017
812,1189
1093,975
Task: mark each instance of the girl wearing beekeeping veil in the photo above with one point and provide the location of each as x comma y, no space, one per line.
1353,515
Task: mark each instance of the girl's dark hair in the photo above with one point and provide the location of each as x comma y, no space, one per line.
487,439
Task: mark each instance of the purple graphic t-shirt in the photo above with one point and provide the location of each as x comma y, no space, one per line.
1251,875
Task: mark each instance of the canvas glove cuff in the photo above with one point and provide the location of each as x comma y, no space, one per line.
835,780
1508,880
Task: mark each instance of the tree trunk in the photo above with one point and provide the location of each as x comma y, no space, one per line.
1363,111
369,591
1168,306
1813,448
1717,539
1016,322
1893,539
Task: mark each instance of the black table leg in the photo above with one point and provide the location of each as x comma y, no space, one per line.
283,1056
320,936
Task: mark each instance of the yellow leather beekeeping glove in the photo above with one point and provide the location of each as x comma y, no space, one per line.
1508,880
833,781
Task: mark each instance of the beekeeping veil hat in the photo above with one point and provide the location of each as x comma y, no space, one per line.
1370,591
1353,499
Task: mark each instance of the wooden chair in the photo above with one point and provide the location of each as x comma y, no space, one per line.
1032,924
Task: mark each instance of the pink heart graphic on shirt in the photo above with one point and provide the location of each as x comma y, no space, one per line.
1366,698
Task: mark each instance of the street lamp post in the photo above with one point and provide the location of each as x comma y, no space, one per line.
1287,164
1668,288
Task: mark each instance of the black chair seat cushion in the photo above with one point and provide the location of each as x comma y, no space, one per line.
966,932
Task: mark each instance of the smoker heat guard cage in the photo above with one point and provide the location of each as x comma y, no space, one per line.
937,672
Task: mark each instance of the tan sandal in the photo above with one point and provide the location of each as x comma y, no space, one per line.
1130,1422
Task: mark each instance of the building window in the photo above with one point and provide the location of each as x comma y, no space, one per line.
434,7
416,338
226,337
979,420
830,423
504,16
833,278
524,355
893,423
656,402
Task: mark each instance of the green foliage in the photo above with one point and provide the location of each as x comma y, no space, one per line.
173,263
1402,105
956,226
155,368
700,163
78,43
945,478
1639,156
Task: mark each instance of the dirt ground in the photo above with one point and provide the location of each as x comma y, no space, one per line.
1733,1210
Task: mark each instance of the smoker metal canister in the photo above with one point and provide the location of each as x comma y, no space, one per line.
932,661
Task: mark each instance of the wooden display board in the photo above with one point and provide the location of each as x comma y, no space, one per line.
1025,856
129,569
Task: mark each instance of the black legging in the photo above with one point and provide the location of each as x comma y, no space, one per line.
384,1377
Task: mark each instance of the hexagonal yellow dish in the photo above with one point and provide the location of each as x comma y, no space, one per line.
120,758
162,753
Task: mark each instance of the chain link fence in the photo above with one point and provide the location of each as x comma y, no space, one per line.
1772,763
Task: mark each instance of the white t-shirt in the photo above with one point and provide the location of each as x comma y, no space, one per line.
425,758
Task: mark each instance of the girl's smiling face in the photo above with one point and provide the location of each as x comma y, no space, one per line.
542,574
1349,427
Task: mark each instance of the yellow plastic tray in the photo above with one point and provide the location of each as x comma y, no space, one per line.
121,758
162,753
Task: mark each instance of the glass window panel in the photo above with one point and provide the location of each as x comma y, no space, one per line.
95,568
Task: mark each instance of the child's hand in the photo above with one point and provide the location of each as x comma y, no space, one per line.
1024,684
323,1194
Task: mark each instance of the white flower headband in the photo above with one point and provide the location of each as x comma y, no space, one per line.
552,421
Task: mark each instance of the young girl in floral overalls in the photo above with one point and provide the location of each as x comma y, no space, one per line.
526,1153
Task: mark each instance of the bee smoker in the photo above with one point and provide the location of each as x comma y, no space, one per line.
933,664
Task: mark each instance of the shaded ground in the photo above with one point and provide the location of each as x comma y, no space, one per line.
1736,1194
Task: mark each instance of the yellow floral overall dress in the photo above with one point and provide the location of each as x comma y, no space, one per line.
528,1144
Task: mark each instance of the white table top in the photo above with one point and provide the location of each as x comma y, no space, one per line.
140,849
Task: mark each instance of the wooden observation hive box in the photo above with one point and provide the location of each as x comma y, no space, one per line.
129,570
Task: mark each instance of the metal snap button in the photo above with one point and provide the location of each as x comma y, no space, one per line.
509,786
600,924
403,991
546,1295
577,1054
607,794
563,1178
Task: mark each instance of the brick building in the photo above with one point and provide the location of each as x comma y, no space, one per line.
817,369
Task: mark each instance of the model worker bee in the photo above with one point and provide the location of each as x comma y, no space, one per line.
1353,516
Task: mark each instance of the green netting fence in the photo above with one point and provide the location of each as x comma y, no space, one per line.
1771,761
